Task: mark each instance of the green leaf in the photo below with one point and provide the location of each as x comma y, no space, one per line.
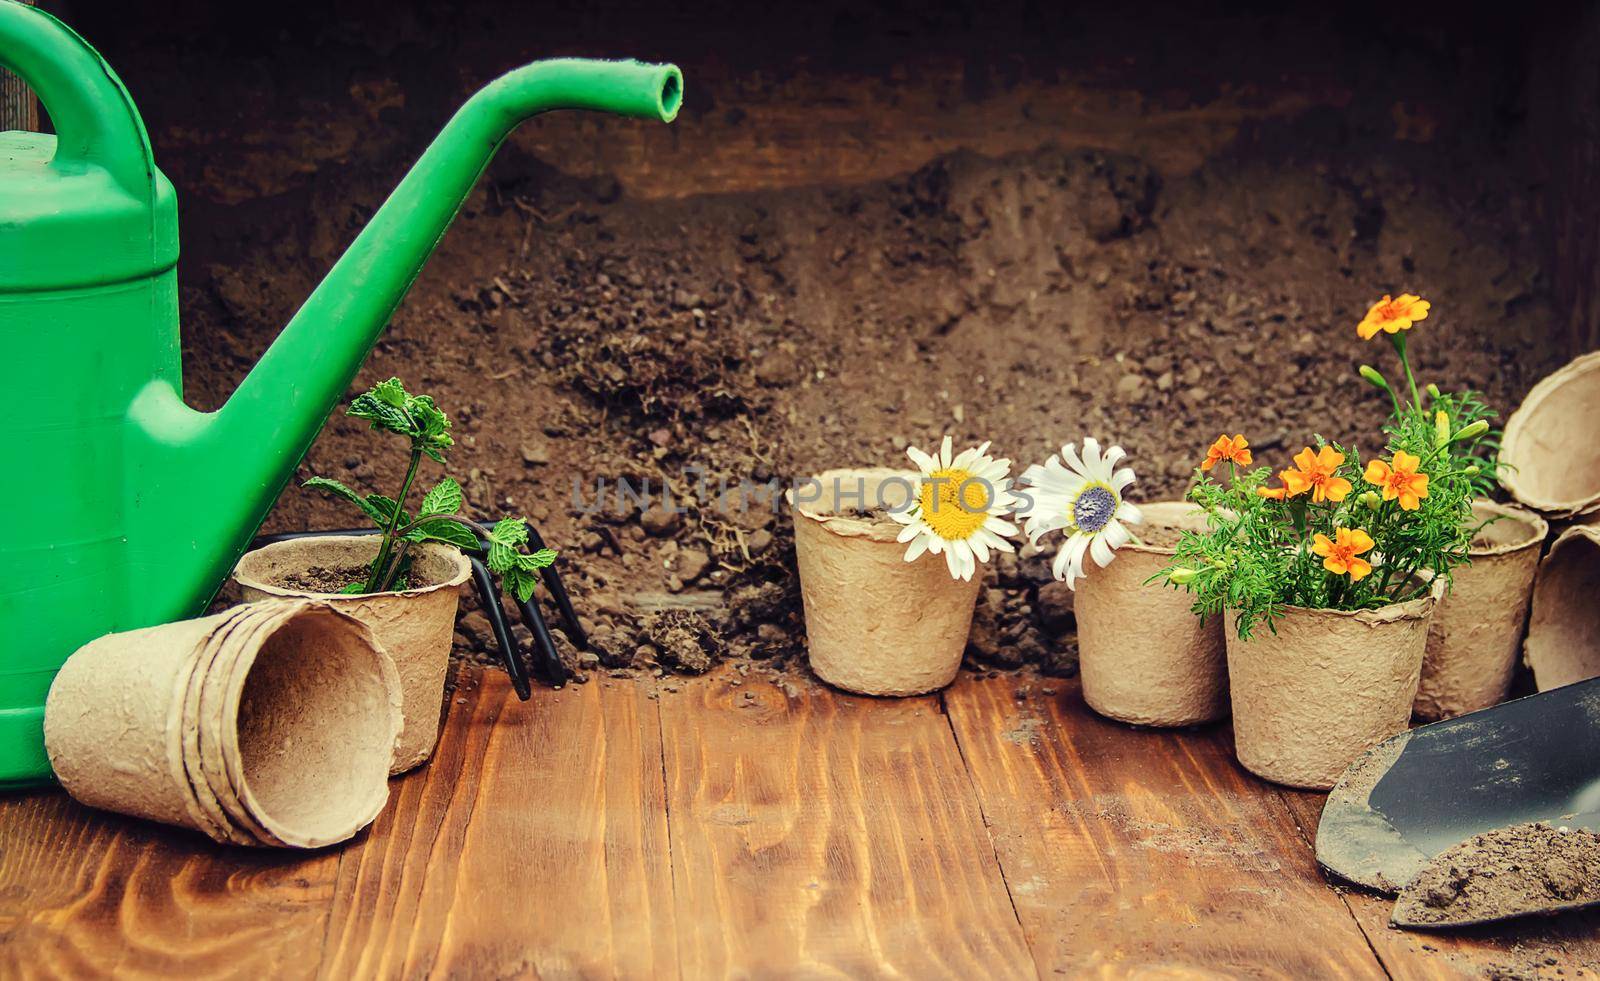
354,589
519,583
511,532
384,507
502,558
391,392
445,498
542,559
446,531
378,516
381,414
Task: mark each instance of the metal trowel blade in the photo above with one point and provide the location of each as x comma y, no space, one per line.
1412,796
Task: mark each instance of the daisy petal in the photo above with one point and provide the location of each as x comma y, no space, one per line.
1101,551
914,552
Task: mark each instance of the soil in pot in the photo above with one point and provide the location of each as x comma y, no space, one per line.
415,626
1565,617
1144,656
876,624
1324,688
1477,627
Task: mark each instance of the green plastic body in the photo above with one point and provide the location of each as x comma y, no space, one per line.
137,505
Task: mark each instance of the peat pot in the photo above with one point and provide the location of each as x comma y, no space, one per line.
270,724
1144,656
1324,688
1477,628
1552,459
875,624
1564,626
415,626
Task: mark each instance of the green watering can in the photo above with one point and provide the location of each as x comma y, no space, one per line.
137,505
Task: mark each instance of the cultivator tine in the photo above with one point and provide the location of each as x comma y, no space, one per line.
558,591
489,599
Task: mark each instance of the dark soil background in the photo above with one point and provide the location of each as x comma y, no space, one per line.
872,224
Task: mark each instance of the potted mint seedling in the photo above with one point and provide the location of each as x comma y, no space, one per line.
404,583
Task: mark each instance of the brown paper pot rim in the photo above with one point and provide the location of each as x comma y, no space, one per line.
216,822
213,720
1533,527
1551,649
1411,609
849,526
363,751
253,568
1546,419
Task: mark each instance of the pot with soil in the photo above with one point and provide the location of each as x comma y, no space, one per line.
1477,628
875,623
1565,619
1552,464
414,625
1323,687
1144,656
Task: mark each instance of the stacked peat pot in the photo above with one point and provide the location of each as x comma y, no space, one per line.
271,724
1553,467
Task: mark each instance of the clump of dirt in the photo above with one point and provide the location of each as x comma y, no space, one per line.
684,640
1525,868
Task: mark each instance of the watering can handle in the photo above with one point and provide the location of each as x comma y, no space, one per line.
94,117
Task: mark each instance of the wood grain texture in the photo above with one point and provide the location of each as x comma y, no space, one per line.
1136,852
820,834
1564,947
535,843
89,894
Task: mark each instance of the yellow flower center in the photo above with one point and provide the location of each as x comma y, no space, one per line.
954,504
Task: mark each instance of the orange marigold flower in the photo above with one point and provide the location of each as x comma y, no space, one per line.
1399,479
1232,450
1273,493
1393,316
1315,471
1341,555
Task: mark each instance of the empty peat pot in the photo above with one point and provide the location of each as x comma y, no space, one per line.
270,724
1552,460
1144,656
415,626
1324,688
1565,621
875,623
1477,627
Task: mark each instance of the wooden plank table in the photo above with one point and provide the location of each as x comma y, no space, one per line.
731,826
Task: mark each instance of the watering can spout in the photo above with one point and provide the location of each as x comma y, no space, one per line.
246,451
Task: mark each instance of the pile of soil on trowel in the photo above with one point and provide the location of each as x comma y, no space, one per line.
1513,871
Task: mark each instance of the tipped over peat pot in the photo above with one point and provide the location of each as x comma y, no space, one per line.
1324,688
1477,628
1564,626
1552,461
1144,656
415,626
875,623
271,724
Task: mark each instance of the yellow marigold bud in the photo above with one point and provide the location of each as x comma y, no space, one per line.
1182,576
1473,431
1472,470
1433,392
1370,499
1441,429
1373,376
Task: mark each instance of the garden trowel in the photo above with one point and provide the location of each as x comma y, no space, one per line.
1535,759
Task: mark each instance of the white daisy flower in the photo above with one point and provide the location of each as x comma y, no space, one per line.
1082,496
958,508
